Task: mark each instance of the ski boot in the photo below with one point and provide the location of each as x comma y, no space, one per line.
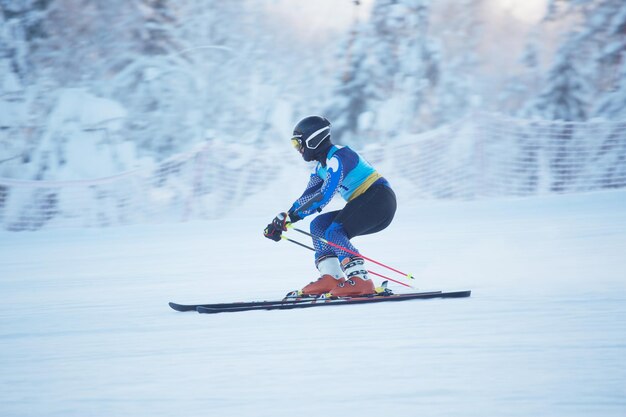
358,284
331,276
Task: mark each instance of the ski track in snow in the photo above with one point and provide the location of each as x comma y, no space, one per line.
85,329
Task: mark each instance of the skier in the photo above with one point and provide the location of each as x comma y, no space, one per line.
371,205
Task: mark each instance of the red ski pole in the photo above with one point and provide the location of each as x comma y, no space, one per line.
409,276
371,272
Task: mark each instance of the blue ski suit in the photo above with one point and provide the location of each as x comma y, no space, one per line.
370,208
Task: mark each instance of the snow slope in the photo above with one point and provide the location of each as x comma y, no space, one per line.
85,329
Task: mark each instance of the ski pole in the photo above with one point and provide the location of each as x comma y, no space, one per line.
371,272
297,243
410,276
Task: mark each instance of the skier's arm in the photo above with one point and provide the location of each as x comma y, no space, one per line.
314,185
317,200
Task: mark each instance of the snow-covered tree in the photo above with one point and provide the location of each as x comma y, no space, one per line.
567,93
353,92
566,97
459,62
587,68
420,69
522,86
613,104
612,64
392,66
368,63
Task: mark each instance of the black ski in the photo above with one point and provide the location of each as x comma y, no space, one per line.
321,302
291,298
239,304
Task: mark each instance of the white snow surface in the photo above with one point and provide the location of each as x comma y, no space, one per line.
85,329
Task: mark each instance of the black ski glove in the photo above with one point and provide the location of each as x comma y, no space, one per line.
275,229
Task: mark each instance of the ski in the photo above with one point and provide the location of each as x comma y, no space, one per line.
239,304
292,297
321,302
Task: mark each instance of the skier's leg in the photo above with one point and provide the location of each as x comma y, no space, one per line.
326,261
336,233
368,213
318,228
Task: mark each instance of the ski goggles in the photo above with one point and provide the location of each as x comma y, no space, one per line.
296,143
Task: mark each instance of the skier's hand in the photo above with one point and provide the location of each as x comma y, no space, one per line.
271,232
280,222
275,229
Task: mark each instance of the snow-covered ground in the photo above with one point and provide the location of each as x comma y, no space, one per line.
85,329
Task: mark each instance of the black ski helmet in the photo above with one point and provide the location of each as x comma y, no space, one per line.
311,137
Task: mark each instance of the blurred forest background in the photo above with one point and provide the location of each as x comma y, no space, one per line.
248,69
103,85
